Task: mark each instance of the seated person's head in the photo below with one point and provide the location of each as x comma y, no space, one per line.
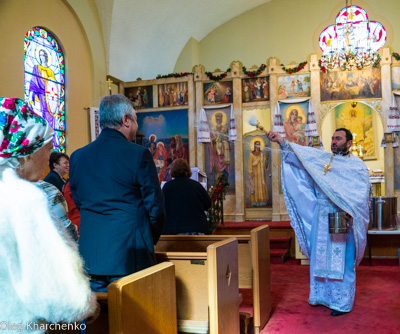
26,139
59,162
180,168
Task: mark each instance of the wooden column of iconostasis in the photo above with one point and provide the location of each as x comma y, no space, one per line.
392,156
166,119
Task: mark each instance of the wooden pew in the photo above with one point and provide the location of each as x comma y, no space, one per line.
254,264
207,289
143,302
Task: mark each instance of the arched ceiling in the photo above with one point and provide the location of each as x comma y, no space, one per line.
144,38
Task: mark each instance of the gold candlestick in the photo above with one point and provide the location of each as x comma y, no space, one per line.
360,153
109,81
354,145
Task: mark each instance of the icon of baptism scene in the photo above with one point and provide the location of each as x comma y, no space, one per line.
254,90
141,97
294,86
172,94
294,117
347,85
166,137
219,152
257,159
218,92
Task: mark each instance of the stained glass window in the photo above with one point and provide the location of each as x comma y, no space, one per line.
45,80
353,29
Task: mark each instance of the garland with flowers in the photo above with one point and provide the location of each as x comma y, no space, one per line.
174,75
217,77
377,61
255,73
215,214
295,69
396,56
323,68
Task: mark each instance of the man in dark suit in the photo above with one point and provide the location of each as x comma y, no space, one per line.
115,186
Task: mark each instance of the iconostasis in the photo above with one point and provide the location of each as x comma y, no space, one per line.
302,102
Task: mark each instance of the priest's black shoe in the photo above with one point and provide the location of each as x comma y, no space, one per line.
335,313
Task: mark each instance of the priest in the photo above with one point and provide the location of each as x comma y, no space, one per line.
316,183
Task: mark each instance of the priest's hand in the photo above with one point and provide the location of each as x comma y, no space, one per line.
274,137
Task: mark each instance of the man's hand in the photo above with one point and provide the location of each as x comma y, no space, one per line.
274,137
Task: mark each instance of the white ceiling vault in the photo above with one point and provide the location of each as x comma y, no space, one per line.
144,38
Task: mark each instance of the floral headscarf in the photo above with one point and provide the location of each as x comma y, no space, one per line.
22,132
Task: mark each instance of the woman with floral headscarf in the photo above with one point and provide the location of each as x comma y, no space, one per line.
41,273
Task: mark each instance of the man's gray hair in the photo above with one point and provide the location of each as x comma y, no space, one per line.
112,109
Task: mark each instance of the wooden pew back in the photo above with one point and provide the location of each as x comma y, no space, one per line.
144,302
223,287
262,277
207,287
198,243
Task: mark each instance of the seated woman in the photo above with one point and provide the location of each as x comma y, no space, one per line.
185,202
41,277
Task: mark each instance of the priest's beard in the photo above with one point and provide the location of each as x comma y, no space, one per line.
340,150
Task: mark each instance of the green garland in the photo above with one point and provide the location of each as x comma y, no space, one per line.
254,73
262,67
396,55
296,69
174,75
218,77
377,61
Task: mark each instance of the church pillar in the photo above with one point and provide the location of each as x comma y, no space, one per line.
316,90
386,99
199,76
278,203
239,202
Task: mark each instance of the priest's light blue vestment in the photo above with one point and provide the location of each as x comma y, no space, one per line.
310,195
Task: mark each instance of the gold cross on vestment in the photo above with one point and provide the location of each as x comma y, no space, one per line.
328,166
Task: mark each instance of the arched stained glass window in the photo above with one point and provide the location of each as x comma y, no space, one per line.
45,80
353,29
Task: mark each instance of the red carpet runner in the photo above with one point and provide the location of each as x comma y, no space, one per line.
376,309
